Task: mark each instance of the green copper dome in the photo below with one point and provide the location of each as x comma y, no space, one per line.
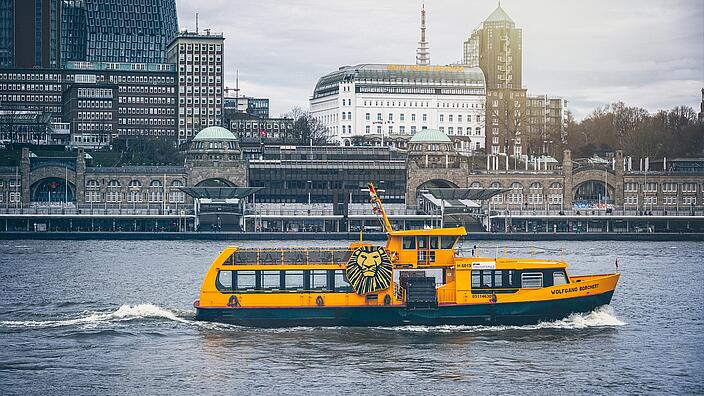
430,136
215,133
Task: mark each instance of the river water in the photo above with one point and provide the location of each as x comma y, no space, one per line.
115,317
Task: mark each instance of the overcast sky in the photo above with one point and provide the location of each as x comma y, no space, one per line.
646,53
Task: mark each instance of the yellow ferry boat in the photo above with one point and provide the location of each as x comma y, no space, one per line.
416,278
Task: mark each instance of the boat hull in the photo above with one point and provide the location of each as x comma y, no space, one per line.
507,313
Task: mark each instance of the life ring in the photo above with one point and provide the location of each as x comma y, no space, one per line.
319,301
233,302
387,299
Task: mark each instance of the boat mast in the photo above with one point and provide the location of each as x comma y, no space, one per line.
378,207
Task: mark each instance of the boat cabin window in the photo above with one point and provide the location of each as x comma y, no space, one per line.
447,242
319,280
532,280
224,281
294,280
434,242
271,280
245,280
409,243
341,284
493,279
559,278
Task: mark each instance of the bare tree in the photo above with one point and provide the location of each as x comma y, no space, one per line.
307,129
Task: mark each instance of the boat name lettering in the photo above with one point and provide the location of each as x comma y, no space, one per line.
481,295
575,289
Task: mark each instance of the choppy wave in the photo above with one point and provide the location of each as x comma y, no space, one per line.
124,313
601,317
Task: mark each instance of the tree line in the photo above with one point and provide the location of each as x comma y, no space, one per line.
668,133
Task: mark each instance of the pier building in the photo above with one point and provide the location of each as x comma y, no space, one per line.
319,189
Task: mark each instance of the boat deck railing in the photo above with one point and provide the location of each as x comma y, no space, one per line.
296,256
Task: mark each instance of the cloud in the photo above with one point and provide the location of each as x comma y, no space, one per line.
646,53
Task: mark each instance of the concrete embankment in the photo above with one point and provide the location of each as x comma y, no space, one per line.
372,236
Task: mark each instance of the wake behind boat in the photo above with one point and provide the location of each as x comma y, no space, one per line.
416,278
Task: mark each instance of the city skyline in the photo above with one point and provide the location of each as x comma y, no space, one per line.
642,54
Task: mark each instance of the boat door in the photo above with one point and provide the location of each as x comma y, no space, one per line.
418,288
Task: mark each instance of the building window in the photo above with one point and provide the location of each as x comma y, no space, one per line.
176,195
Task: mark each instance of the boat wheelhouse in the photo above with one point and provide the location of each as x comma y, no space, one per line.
417,277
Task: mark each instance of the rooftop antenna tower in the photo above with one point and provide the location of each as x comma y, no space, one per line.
423,52
196,23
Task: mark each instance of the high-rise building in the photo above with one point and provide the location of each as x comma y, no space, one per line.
7,31
30,33
545,116
127,31
74,31
199,60
496,47
400,100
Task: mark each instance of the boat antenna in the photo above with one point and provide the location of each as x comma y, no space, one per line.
377,207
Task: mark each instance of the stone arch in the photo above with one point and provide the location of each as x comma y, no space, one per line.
596,175
57,172
590,192
52,189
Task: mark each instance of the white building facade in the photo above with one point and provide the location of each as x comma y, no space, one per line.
399,100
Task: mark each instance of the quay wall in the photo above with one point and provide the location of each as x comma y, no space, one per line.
344,236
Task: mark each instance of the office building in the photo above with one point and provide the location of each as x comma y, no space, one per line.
121,31
32,89
199,60
145,97
545,117
258,107
400,100
91,110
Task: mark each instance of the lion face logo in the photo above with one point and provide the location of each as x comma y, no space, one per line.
369,269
